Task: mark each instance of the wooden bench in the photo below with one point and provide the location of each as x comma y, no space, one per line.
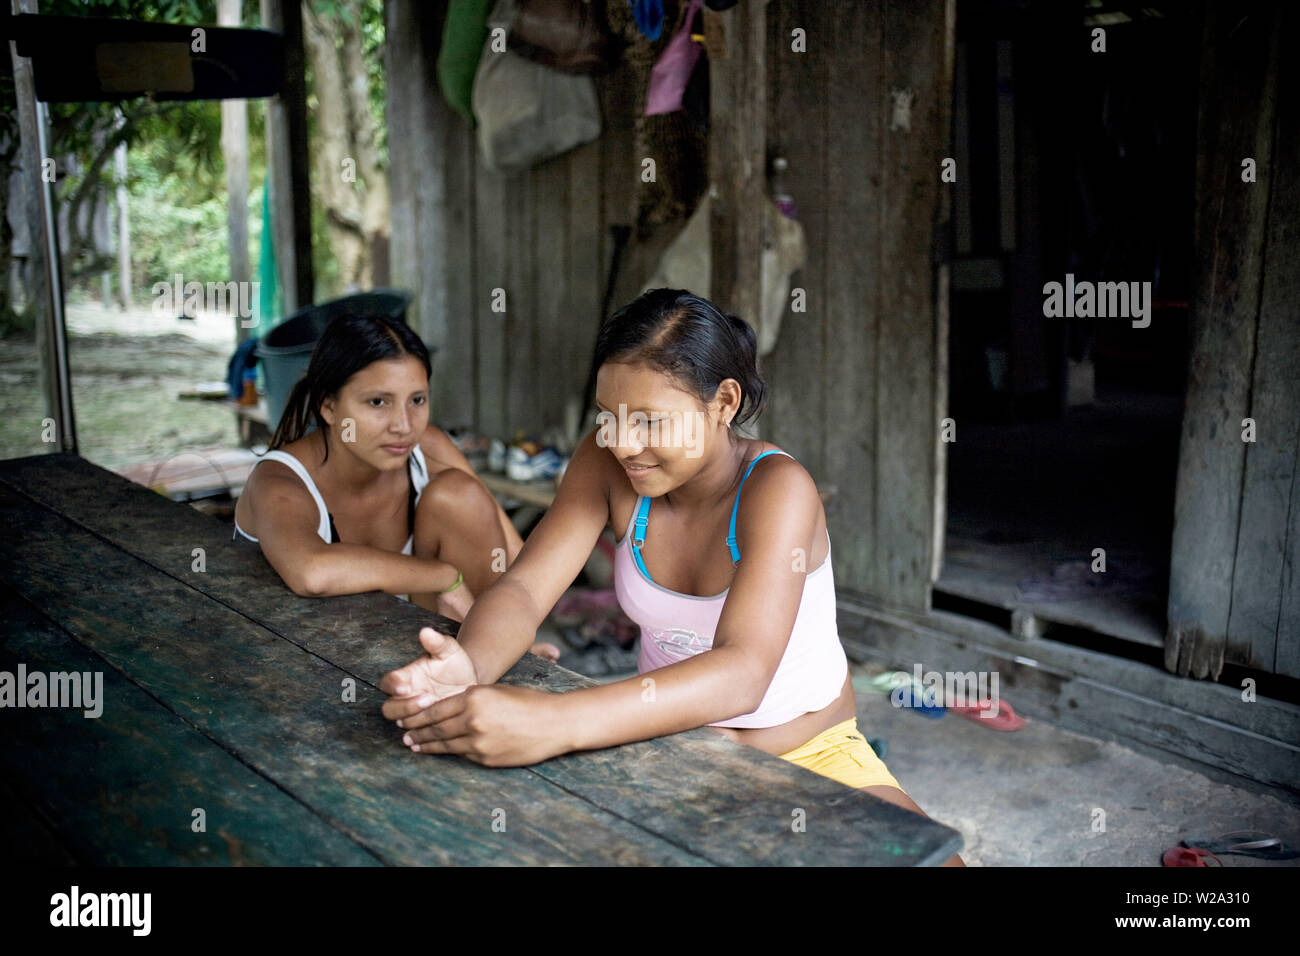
226,698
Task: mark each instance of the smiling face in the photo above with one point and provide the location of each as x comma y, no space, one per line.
661,433
380,412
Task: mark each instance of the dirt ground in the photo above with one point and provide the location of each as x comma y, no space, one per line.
127,370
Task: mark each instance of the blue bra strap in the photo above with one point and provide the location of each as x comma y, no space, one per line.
638,532
735,509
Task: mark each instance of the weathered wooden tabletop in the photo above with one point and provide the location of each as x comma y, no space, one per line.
223,692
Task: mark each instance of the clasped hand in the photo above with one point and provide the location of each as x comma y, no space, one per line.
443,709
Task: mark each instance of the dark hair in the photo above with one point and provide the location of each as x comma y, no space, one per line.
689,338
348,344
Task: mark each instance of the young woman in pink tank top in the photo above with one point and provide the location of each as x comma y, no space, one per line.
724,562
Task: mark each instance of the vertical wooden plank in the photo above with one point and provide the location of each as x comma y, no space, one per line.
490,328
961,152
521,314
402,52
797,130
1264,621
452,263
623,99
915,47
286,137
1236,120
584,270
737,161
856,108
234,152
943,247
555,343
431,200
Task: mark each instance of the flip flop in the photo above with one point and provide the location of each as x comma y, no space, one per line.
1254,843
1004,719
883,683
1185,856
917,699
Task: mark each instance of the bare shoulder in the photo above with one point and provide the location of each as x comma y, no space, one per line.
777,491
274,481
779,474
275,498
594,466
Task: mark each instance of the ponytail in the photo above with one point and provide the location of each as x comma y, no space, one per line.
751,383
297,416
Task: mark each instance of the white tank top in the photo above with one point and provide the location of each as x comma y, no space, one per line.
419,478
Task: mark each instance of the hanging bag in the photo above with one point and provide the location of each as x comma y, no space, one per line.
567,35
527,112
672,72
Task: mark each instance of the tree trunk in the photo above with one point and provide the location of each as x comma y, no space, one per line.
351,181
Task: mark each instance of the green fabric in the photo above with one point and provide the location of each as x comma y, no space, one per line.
463,34
268,291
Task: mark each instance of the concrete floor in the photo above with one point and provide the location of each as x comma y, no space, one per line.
1028,797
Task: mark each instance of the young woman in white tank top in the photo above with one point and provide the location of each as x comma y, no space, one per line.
733,591
373,498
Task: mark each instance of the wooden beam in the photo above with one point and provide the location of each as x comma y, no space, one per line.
234,150
1239,63
738,160
1264,620
287,163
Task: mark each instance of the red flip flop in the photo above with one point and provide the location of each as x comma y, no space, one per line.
1188,856
1004,719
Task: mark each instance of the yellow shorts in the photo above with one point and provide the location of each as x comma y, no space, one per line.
843,754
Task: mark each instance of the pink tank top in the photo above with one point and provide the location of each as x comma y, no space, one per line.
675,626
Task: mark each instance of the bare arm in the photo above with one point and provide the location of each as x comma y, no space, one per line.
286,519
503,622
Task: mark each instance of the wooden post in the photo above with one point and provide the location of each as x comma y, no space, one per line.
1238,101
738,159
287,164
435,224
234,149
862,103
46,297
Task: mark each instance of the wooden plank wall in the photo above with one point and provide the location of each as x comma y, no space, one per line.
460,232
856,380
1233,594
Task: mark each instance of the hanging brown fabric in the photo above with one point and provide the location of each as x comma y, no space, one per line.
568,35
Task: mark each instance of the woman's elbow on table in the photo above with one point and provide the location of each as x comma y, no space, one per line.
309,579
748,680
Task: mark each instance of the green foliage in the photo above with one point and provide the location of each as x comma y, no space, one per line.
176,176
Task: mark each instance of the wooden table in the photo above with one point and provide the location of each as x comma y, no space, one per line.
225,693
